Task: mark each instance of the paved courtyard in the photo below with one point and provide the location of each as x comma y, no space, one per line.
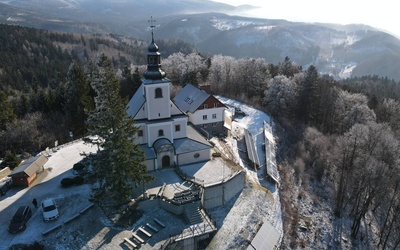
207,173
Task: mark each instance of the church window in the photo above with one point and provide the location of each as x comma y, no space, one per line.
214,116
158,93
196,155
177,128
204,117
160,132
140,133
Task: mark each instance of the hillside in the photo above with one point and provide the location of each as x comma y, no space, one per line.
30,57
338,50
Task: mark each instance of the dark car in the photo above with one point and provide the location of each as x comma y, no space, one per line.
19,220
72,181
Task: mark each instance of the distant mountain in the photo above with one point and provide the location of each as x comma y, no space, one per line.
338,50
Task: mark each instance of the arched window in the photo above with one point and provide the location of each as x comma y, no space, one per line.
158,93
160,132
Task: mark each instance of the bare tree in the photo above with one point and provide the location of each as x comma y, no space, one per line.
346,150
222,74
182,69
346,115
281,97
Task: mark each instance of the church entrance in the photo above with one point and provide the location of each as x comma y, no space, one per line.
165,161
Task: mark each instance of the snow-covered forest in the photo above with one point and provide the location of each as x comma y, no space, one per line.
338,141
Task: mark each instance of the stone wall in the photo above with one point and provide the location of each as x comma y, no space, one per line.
217,194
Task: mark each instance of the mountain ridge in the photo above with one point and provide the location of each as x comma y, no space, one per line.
338,50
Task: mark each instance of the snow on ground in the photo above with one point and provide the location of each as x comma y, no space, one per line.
238,220
241,218
46,185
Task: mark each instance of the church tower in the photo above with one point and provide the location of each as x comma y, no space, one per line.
163,131
156,85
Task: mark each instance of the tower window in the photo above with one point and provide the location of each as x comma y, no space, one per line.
158,93
160,132
177,128
140,133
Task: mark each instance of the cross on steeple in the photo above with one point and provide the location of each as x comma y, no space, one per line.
152,26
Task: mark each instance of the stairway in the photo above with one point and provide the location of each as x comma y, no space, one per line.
192,213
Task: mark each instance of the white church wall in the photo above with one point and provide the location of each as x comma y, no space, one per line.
150,165
141,139
182,123
192,157
158,108
153,131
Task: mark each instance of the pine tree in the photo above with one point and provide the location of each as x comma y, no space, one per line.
309,96
76,99
119,165
6,111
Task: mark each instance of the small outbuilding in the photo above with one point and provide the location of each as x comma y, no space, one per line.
27,171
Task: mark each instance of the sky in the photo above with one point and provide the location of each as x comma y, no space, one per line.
383,14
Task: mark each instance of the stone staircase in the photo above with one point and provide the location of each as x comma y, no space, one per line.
193,214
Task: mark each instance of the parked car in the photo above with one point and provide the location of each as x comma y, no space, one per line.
72,181
5,185
80,168
19,220
49,210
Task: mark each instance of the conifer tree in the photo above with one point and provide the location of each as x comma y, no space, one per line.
6,111
119,165
76,99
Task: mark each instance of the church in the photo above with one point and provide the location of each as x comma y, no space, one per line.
164,133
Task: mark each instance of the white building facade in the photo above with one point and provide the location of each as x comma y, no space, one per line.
164,134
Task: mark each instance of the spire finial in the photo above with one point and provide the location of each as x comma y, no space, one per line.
152,26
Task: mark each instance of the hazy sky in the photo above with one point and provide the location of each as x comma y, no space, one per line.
382,14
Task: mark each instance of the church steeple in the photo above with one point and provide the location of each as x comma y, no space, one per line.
154,71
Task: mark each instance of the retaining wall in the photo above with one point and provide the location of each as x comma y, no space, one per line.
218,194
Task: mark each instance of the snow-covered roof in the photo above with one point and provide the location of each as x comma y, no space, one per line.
148,152
190,98
187,145
194,142
154,81
252,119
136,102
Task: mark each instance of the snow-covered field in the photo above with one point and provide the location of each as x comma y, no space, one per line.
238,220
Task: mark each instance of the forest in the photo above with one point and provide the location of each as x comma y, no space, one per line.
338,134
